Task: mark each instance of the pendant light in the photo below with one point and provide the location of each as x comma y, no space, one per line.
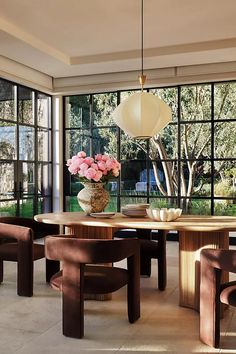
142,115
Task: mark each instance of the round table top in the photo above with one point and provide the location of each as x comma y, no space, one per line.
184,223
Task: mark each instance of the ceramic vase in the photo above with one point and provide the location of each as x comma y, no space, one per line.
93,198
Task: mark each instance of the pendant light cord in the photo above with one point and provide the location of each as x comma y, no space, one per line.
142,35
142,78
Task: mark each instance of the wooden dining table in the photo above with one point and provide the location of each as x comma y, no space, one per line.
195,232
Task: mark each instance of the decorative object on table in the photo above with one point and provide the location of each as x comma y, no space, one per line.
93,173
164,214
142,115
135,210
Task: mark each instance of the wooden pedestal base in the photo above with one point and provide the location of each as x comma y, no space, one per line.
190,245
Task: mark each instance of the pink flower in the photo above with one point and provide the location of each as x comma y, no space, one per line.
95,166
115,172
73,169
101,165
81,154
83,166
98,169
88,160
98,176
110,164
98,157
90,173
105,157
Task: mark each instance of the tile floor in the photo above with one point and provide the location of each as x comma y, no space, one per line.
33,325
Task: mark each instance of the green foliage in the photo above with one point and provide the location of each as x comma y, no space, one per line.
224,189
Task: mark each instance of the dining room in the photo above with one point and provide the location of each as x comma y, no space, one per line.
116,127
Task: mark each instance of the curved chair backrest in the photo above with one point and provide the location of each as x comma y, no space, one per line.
19,233
89,250
77,278
39,229
17,236
213,293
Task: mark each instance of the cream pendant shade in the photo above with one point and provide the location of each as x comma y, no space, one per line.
142,115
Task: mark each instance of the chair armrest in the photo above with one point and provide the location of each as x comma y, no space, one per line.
19,233
220,259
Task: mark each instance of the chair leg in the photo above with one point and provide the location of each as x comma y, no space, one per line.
73,300
133,289
25,278
52,267
210,304
162,267
1,271
25,268
145,260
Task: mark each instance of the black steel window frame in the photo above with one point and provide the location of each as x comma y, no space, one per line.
179,159
36,196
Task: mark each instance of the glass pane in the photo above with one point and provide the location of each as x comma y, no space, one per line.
163,178
25,105
196,140
132,200
44,145
77,111
105,141
225,178
43,110
8,208
224,207
170,97
7,104
77,140
8,140
196,206
112,205
6,180
196,102
103,106
26,208
72,204
225,139
163,203
165,145
131,148
196,178
44,205
224,100
26,143
44,180
126,94
131,174
28,180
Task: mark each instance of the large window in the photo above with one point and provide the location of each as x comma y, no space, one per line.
25,151
191,163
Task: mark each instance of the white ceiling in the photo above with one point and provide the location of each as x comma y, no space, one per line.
64,38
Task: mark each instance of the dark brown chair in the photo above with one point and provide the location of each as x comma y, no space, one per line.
77,278
17,235
213,293
152,246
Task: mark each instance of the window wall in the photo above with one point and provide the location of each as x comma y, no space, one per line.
25,151
190,164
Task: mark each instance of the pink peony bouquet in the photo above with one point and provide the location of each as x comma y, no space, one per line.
98,169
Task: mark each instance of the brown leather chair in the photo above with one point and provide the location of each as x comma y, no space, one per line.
17,235
77,278
152,246
213,293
